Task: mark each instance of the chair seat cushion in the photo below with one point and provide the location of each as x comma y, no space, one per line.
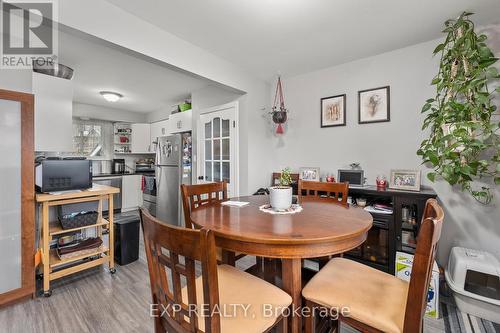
238,287
374,298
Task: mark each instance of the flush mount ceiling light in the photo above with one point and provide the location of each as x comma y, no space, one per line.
111,96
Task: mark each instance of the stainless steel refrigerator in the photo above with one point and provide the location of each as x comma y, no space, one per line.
172,168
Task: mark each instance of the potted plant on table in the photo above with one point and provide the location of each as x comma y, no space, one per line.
281,195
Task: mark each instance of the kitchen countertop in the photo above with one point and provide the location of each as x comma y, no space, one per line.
100,175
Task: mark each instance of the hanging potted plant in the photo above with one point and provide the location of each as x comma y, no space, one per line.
279,112
463,145
280,196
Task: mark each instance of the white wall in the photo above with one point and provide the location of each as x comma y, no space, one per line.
128,31
16,80
254,137
202,99
109,114
382,146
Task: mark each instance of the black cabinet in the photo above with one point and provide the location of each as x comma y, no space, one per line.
390,232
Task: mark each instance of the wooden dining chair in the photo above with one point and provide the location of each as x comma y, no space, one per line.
336,192
196,196
377,301
196,305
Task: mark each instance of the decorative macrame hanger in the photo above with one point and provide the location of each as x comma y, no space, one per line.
279,114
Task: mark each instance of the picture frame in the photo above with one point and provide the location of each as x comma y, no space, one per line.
405,180
309,174
333,111
374,105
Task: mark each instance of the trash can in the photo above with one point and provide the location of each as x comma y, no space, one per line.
126,239
474,278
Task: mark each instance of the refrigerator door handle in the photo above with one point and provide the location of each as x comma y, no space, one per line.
168,149
158,153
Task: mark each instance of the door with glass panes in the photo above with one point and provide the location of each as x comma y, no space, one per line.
217,147
17,199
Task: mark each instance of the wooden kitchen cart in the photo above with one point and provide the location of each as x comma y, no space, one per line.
53,266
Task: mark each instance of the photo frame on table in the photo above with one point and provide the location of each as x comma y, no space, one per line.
405,180
374,105
333,111
309,174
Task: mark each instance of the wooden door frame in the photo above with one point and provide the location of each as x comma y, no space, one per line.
27,197
222,107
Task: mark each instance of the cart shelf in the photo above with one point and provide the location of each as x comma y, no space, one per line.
56,229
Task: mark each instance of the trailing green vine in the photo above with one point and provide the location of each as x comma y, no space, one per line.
464,144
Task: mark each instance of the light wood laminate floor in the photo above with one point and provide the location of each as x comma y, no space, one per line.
96,301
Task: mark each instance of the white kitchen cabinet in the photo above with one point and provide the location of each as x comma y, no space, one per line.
141,138
53,113
155,131
158,129
181,122
164,130
131,192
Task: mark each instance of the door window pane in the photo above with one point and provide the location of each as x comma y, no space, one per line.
216,127
225,127
208,130
217,175
10,197
208,149
217,149
225,171
208,171
225,149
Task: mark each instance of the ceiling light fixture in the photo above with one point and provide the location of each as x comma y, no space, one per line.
111,96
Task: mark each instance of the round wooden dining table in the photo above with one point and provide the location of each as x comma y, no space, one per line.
321,229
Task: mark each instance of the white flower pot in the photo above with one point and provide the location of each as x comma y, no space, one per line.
280,197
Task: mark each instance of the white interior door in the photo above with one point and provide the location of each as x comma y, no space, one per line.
218,147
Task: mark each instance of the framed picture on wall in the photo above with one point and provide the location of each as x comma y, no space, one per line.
405,180
333,111
374,105
310,174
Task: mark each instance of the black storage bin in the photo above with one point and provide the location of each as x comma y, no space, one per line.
126,239
77,215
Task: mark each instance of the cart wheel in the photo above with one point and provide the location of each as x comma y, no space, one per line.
112,270
47,293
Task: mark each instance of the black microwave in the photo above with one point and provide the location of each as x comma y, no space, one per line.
63,175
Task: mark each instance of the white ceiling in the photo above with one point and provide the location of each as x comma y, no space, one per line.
297,36
99,66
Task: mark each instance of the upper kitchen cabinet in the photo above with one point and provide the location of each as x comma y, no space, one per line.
158,129
181,122
141,138
53,113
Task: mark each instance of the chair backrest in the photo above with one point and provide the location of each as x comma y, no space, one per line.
195,196
425,253
336,192
166,246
